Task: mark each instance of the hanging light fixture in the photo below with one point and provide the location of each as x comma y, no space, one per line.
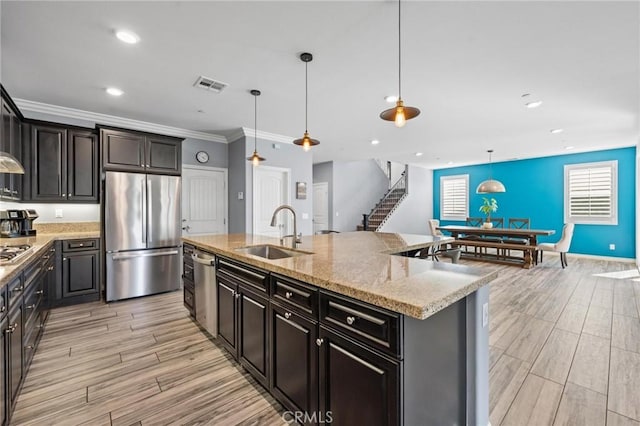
306,142
400,114
490,186
255,158
10,164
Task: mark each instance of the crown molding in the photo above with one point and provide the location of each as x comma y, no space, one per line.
248,133
113,120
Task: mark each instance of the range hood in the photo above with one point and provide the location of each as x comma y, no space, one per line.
9,164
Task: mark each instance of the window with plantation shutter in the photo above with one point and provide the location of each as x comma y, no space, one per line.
454,197
591,193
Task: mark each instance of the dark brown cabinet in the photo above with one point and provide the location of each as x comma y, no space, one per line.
354,377
79,278
10,142
3,374
80,273
294,364
64,164
243,316
131,151
14,360
187,280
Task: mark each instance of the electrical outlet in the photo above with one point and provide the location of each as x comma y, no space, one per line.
58,212
485,315
612,246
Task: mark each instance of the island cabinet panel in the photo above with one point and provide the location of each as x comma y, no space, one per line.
294,363
227,308
14,362
4,326
253,334
187,279
357,385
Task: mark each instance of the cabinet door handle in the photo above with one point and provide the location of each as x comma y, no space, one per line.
29,347
319,342
33,306
46,257
351,320
50,268
288,295
17,289
287,315
237,295
40,292
3,308
14,192
11,328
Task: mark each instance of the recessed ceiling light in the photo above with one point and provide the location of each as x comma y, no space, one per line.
128,37
534,104
114,91
568,147
391,98
556,131
375,142
418,154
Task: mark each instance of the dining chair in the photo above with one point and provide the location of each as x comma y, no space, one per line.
433,226
517,223
498,222
474,221
561,246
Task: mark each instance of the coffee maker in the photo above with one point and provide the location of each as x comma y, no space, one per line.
17,223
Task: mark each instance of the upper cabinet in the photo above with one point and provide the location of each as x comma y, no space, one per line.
64,163
10,142
130,151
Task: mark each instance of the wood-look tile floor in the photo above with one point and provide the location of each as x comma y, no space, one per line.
565,349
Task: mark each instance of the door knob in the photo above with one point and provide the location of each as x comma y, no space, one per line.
319,342
186,228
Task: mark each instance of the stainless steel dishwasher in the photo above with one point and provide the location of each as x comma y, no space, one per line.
204,277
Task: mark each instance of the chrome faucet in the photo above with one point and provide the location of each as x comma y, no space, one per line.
296,238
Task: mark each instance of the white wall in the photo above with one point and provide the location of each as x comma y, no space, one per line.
416,209
638,204
47,212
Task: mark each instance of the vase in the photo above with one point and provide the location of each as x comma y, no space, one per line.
487,225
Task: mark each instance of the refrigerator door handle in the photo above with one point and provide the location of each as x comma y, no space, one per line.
133,256
143,205
149,217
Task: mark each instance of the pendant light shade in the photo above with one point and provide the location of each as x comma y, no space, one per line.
306,142
9,164
255,158
400,113
490,185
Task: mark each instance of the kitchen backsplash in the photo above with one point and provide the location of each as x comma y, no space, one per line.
62,228
47,212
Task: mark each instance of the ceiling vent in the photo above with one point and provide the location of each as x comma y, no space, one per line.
207,83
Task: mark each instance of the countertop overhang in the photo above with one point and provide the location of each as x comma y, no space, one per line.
362,265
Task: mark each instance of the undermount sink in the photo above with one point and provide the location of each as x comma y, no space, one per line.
270,252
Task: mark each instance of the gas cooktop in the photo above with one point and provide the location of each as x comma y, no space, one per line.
12,253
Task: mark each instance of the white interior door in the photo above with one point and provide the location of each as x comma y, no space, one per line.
204,200
270,190
320,206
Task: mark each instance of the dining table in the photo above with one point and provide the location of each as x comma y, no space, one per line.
498,238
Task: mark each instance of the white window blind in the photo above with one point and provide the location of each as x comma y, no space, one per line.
591,193
454,197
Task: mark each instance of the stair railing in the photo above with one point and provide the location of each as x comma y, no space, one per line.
399,188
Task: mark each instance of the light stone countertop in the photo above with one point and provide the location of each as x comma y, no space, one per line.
40,244
361,265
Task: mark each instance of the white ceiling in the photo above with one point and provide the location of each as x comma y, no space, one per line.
465,65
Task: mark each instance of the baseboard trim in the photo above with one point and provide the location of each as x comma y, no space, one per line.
593,256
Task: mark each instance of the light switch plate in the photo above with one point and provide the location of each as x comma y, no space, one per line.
485,315
58,212
305,215
240,195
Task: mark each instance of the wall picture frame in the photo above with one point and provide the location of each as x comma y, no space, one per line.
301,190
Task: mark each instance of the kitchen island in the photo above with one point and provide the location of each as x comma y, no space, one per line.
351,328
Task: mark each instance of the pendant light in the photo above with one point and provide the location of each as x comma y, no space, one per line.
306,142
10,164
401,113
490,186
255,158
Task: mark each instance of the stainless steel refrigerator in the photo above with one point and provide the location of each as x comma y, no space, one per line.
142,234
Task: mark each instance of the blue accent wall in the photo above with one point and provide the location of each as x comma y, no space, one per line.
535,189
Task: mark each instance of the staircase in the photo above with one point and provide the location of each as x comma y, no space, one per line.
387,204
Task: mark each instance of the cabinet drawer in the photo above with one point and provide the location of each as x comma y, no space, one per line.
188,272
187,251
32,301
188,299
254,278
300,297
78,245
369,324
